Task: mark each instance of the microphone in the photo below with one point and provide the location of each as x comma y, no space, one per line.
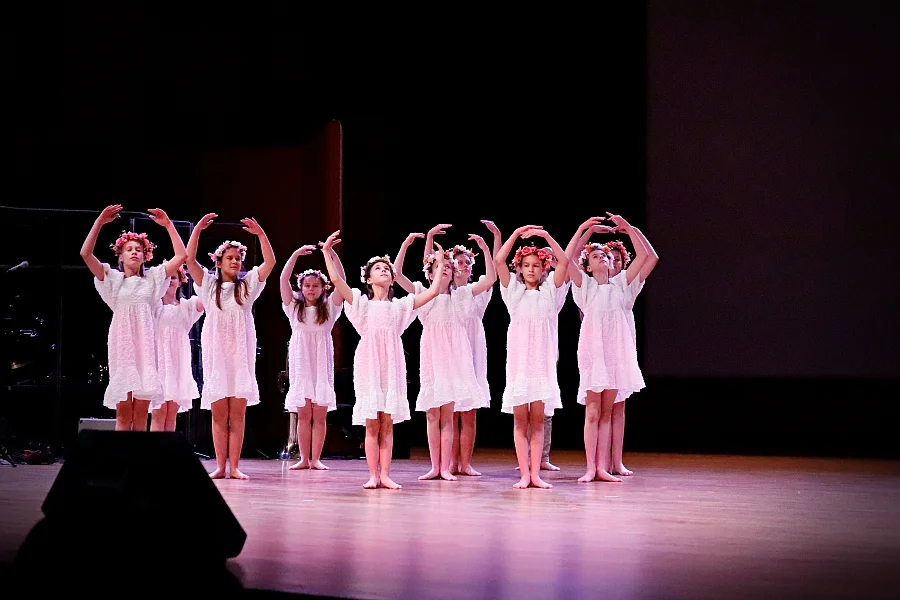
21,265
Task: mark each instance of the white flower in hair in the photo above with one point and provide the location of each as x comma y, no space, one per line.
428,262
231,244
385,259
325,283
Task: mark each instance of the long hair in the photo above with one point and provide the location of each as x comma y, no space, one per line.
321,305
241,289
367,270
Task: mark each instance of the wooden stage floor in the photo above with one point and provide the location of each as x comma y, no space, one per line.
685,526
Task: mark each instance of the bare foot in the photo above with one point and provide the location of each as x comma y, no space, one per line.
448,476
604,476
454,469
432,474
236,474
549,466
372,483
540,483
587,477
300,464
318,466
387,482
621,470
523,483
469,471
217,474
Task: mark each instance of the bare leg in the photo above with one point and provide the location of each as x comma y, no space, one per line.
319,415
604,435
219,410
446,439
124,411
536,418
158,419
456,452
545,455
591,422
467,442
171,415
373,428
237,410
385,451
139,412
528,446
433,429
520,438
304,435
618,439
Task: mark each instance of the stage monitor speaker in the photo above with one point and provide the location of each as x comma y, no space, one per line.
126,479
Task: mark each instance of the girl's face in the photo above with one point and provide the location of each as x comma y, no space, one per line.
448,270
230,263
463,270
617,263
598,262
174,282
132,254
380,274
312,289
532,269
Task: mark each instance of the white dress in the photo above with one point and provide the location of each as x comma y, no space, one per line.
530,353
173,353
228,341
132,333
631,292
311,356
446,368
607,358
473,321
379,364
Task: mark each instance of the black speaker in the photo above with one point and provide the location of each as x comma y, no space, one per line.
131,497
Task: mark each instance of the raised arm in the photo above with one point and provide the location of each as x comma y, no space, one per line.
562,260
498,241
251,226
640,254
576,244
284,282
402,280
434,289
195,268
652,256
107,215
340,284
161,218
490,275
337,297
438,229
501,255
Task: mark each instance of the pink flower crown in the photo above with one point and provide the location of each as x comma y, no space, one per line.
524,251
230,244
428,262
182,275
460,249
301,276
363,269
618,245
130,236
586,253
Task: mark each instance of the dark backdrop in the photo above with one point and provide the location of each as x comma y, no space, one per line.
757,150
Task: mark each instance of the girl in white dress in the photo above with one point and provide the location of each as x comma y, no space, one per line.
531,385
228,338
312,313
379,364
133,295
446,369
464,414
607,358
619,276
175,318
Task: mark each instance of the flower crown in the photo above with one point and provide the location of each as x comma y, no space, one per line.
363,269
230,244
618,245
588,248
301,276
428,262
182,275
130,236
460,249
524,251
